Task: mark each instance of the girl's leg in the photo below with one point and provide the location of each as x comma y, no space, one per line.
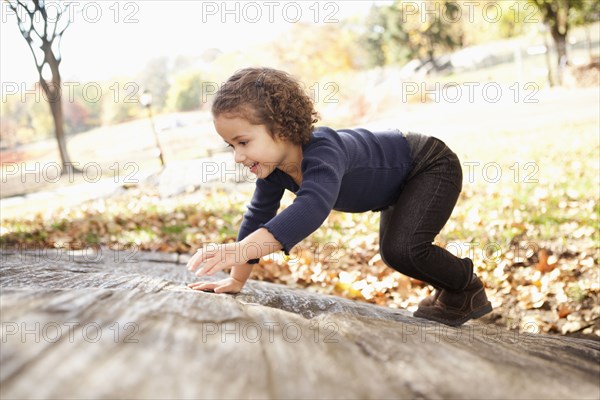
409,227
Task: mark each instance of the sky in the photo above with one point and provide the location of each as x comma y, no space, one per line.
108,38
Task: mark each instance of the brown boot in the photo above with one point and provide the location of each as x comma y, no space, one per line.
456,308
431,299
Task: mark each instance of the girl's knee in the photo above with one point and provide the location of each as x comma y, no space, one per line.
396,255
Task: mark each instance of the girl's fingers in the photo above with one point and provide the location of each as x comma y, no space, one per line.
208,270
212,269
192,263
202,285
222,288
198,259
209,267
201,271
205,272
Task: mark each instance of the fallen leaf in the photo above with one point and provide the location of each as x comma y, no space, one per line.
546,262
563,310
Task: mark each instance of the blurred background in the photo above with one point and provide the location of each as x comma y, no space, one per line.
106,136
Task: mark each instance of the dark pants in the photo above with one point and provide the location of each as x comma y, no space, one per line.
408,228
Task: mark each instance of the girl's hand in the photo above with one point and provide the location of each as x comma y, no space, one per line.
227,285
216,257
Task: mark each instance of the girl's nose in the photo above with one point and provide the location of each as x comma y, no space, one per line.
238,156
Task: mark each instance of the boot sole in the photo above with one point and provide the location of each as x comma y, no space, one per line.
480,312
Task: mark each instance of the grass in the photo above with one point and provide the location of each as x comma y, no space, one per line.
566,187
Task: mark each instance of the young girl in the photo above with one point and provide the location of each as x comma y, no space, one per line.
412,179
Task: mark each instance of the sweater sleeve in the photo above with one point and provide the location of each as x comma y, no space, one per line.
263,206
322,173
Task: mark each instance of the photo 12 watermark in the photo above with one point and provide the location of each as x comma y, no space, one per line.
267,331
53,172
335,252
427,332
472,11
71,331
492,172
72,251
91,92
469,92
67,12
319,92
270,11
131,92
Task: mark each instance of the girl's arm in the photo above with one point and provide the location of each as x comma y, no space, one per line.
251,249
262,208
241,272
259,243
254,246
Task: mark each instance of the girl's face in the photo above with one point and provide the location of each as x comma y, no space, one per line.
254,147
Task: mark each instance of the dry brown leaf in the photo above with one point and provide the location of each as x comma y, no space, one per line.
563,310
546,262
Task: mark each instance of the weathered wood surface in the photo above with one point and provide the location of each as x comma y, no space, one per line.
118,325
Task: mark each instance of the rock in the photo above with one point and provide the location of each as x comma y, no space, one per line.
124,325
179,177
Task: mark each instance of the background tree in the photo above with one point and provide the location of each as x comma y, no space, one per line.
186,92
155,79
558,16
398,32
585,16
439,34
316,51
42,29
123,104
373,38
14,116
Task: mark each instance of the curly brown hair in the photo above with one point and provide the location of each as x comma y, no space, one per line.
270,97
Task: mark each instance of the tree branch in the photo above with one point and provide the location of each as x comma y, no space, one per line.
65,11
42,9
27,33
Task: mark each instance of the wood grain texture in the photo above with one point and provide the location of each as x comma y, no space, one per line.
124,325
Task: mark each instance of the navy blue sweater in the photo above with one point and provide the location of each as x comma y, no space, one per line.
345,170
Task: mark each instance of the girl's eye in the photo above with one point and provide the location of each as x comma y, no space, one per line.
241,143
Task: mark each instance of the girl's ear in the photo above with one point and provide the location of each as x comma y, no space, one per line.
281,140
275,136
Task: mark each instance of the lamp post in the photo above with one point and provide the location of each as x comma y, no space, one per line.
146,101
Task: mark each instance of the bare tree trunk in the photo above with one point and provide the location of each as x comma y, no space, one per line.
560,41
556,15
548,61
53,93
588,42
26,18
57,114
431,58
